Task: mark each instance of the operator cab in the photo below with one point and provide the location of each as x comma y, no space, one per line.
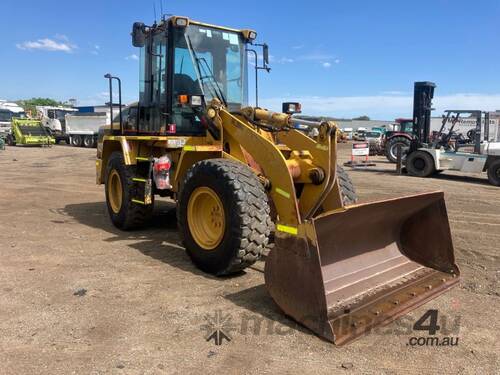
183,66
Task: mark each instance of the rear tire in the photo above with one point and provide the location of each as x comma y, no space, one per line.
391,148
124,213
420,164
88,141
245,216
76,141
494,173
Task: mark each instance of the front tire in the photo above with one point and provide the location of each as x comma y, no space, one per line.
11,141
347,190
494,173
124,213
223,216
420,164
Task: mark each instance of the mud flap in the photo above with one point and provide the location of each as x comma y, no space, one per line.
349,271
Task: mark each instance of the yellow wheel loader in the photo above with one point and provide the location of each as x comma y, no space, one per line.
242,175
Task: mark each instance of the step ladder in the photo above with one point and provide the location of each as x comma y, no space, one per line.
142,183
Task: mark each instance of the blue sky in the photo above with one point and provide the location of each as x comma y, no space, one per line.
342,58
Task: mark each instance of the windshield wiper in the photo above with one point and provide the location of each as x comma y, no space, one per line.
214,86
214,81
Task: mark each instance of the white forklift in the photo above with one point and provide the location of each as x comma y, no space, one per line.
447,151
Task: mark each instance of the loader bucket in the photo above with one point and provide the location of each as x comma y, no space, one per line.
349,271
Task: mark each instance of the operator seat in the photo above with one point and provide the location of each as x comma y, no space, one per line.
185,85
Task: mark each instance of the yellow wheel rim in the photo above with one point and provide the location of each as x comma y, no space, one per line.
115,192
206,218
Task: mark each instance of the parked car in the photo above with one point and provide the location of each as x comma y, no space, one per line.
348,133
374,139
359,135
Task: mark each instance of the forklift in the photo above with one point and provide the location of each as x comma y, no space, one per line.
427,157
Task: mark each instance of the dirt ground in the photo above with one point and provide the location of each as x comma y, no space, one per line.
79,296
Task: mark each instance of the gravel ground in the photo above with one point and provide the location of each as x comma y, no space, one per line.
79,296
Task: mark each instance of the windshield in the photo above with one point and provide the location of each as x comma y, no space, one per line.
57,114
5,116
372,134
211,62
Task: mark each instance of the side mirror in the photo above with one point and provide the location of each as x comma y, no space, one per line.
265,53
291,107
138,34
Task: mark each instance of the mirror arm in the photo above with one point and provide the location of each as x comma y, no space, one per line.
265,66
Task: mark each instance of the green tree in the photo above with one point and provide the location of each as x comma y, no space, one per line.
362,118
30,104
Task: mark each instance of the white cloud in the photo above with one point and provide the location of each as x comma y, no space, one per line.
336,61
47,44
385,107
300,46
316,57
326,65
132,57
281,60
394,92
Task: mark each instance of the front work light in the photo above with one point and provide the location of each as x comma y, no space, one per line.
291,108
249,35
181,21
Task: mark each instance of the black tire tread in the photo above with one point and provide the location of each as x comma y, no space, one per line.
429,171
251,209
137,215
349,195
492,168
11,141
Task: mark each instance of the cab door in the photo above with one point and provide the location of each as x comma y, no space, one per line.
153,116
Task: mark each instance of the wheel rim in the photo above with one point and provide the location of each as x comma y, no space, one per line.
206,219
86,141
115,193
394,150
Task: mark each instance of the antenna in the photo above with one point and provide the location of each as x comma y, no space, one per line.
164,9
154,9
161,8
